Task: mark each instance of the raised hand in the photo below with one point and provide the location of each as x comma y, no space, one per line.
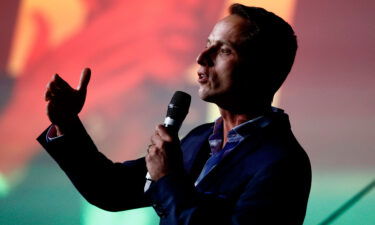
64,102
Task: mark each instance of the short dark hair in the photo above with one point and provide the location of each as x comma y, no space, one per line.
271,44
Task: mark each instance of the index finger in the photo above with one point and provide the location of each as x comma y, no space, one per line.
164,133
84,80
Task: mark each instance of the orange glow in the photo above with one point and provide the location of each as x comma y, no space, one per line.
283,8
138,52
63,18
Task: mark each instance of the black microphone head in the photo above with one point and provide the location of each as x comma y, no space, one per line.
178,108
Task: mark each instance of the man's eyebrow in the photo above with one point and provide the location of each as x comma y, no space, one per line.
223,42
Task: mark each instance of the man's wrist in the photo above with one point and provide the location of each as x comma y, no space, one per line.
67,125
59,132
52,132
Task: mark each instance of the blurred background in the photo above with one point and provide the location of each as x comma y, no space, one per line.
140,52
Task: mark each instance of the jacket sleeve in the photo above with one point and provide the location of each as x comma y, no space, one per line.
275,195
177,202
105,184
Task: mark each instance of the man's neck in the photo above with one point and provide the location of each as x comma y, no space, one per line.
231,119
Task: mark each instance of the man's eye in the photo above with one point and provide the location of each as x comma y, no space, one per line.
225,51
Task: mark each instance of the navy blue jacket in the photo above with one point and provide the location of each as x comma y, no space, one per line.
265,180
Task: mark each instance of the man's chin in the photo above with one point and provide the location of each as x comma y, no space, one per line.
202,94
210,96
206,97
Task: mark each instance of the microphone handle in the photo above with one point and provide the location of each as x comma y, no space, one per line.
172,125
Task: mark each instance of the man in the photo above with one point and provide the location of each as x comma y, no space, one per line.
246,168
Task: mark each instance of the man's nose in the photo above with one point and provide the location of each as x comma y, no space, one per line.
204,58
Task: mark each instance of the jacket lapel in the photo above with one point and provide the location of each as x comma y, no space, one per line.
196,149
249,145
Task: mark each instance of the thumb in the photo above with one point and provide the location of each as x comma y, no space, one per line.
85,79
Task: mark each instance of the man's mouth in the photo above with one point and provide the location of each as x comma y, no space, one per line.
202,78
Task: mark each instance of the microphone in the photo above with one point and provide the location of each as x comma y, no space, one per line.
177,110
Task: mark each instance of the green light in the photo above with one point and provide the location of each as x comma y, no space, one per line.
4,187
94,216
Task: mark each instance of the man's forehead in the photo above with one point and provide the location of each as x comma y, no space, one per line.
228,30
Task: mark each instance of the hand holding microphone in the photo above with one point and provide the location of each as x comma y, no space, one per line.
65,102
164,153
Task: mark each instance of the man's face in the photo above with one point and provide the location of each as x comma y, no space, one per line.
221,63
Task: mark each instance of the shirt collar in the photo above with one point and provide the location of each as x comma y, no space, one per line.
244,129
240,132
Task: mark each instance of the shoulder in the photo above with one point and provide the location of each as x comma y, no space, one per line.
279,156
278,144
